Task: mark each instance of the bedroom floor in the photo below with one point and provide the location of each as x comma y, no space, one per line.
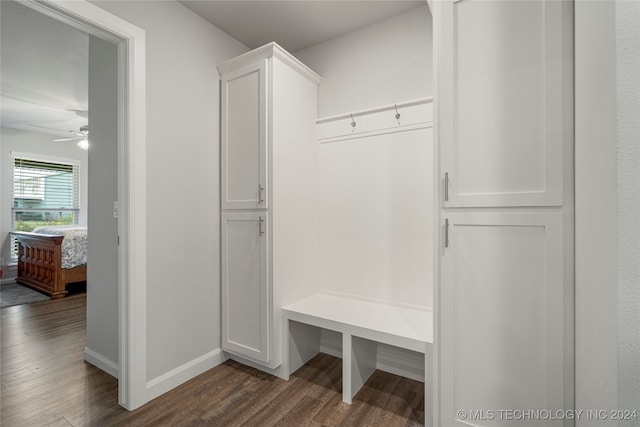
45,382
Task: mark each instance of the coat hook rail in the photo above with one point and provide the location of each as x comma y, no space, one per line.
384,108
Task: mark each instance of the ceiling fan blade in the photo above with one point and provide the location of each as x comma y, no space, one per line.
81,113
65,139
45,127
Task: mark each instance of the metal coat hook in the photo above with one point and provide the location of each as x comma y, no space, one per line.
353,124
397,113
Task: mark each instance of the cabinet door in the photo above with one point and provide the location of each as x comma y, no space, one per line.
244,138
504,101
504,334
246,324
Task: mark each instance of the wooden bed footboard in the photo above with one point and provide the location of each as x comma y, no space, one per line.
40,264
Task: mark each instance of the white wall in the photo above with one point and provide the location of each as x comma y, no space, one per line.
102,245
13,140
183,246
628,130
376,217
607,207
376,193
381,64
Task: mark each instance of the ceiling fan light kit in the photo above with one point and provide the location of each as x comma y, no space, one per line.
84,144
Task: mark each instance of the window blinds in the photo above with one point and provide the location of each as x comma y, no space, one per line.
44,193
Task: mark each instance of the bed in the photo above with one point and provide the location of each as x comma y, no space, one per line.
51,257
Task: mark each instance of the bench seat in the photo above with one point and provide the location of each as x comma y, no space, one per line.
363,323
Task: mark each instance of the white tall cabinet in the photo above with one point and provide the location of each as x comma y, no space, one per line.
504,304
269,197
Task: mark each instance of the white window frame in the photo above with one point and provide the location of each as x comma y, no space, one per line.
45,159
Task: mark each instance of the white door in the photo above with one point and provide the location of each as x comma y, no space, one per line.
246,315
503,331
505,293
244,138
503,98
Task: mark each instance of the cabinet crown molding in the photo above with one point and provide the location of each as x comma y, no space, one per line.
268,51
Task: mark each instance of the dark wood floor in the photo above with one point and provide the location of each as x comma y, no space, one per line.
45,382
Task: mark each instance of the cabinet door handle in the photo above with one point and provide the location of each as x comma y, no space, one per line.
446,186
260,230
261,194
446,232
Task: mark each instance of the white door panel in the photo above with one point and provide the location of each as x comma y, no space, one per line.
244,160
245,307
503,333
503,75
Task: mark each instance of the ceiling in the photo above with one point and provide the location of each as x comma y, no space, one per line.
295,25
44,66
44,63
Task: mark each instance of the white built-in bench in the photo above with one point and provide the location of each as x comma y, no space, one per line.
363,323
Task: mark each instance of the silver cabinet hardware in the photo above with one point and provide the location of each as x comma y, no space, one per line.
446,232
446,186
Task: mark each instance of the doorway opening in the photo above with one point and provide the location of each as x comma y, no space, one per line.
131,200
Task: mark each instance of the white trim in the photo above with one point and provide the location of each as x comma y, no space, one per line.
101,362
399,362
132,265
44,158
183,373
401,117
331,343
378,300
384,131
267,51
432,388
394,360
400,105
9,271
76,165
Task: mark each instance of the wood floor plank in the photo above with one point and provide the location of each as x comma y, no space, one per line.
45,382
254,403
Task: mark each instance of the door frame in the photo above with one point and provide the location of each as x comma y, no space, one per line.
438,198
132,282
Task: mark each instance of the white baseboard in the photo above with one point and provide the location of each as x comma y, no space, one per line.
10,274
331,343
101,362
184,373
395,360
276,372
399,361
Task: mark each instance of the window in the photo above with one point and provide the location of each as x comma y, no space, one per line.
44,193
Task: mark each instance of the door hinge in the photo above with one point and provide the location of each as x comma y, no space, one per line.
446,232
118,240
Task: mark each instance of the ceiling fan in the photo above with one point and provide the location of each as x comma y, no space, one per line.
83,133
82,136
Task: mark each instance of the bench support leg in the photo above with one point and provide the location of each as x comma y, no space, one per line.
358,364
303,345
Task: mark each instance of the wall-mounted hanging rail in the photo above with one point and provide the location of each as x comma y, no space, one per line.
416,114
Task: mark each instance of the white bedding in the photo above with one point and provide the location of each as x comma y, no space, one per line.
74,244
